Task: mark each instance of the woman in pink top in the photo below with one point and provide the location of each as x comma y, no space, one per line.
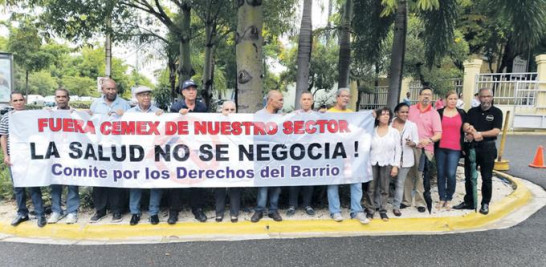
448,149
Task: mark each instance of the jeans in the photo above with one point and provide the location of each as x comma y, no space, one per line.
446,166
486,152
399,185
135,195
380,183
294,191
263,193
333,199
234,200
21,199
72,199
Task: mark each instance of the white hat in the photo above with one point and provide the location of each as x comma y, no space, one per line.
141,89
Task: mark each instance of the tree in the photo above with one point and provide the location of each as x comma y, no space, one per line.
249,55
345,44
304,50
26,46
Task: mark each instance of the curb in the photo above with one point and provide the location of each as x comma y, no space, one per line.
195,231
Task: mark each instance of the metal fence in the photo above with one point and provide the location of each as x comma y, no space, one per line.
416,86
510,88
376,99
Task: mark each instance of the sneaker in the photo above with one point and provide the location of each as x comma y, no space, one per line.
54,217
234,219
97,217
291,211
397,213
173,217
117,217
362,218
310,211
337,217
71,218
134,219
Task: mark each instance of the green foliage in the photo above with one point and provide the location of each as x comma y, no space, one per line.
42,83
80,86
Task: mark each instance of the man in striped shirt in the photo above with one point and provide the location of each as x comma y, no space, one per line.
18,103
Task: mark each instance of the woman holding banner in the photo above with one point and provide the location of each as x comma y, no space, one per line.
385,160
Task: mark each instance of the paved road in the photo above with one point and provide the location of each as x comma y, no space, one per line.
520,151
522,245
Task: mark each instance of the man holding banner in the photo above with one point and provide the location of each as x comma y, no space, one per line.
275,103
112,105
144,97
62,98
188,104
18,103
343,97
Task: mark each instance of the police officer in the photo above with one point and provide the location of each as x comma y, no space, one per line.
486,122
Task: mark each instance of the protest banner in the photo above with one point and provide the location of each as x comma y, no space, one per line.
141,150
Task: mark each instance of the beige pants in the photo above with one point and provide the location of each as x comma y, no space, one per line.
414,182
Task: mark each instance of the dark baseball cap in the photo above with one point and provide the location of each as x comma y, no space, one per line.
188,83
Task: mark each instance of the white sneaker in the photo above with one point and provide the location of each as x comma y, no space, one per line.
54,217
71,218
337,217
362,218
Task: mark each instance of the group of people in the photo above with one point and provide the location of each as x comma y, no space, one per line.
402,148
404,145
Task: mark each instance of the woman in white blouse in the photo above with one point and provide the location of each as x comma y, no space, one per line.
385,160
408,139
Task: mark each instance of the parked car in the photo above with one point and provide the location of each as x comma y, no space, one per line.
4,108
37,100
49,101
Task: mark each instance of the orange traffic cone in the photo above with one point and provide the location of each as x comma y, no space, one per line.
538,162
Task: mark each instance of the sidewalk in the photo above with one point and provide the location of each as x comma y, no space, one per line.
513,201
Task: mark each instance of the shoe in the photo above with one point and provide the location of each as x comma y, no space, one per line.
463,206
337,217
234,219
369,215
291,211
275,216
403,206
485,209
154,219
440,205
199,215
310,211
134,219
97,217
219,218
42,221
384,216
71,218
116,217
54,217
173,217
421,209
19,219
257,216
447,205
362,218
397,213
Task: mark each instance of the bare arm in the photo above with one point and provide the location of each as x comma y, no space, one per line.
4,143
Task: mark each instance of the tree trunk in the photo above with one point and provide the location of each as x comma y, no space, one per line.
26,86
328,24
210,33
185,67
345,45
108,47
304,51
398,54
172,78
248,48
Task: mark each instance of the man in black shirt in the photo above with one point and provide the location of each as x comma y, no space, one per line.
189,104
486,122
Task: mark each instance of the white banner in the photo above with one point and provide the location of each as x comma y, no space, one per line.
195,150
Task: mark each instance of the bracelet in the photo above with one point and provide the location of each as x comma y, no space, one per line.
431,140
